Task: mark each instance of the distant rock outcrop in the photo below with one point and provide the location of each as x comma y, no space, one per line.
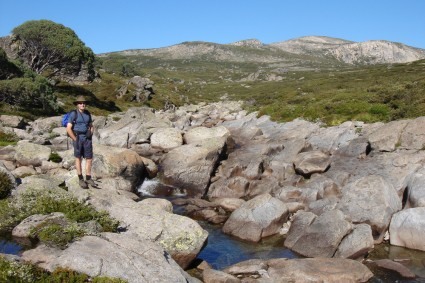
309,44
376,52
140,89
248,42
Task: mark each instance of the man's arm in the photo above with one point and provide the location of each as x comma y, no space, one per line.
70,132
91,129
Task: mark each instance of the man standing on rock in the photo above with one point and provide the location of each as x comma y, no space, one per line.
80,129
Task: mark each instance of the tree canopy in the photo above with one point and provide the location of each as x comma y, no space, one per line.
51,48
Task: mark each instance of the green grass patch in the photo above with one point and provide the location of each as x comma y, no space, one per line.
73,210
29,273
8,139
32,203
53,234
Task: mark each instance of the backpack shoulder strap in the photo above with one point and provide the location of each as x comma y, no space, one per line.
75,116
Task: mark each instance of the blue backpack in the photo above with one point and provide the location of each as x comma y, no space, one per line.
64,123
65,118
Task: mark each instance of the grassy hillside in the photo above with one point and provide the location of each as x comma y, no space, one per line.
332,95
371,94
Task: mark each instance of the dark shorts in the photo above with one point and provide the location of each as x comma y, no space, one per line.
83,147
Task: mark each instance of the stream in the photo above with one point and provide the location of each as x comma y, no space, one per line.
223,250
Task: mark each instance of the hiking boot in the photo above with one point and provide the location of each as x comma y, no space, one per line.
83,184
91,183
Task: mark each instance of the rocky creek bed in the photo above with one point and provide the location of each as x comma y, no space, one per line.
223,251
333,194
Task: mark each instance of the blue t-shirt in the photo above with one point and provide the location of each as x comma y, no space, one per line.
82,122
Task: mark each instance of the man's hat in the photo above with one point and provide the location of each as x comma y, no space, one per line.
80,99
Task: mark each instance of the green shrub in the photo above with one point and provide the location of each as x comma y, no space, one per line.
6,185
381,111
32,94
64,275
55,157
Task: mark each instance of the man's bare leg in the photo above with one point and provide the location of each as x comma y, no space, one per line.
80,173
88,166
78,165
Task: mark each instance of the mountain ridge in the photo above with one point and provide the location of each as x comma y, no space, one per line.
316,47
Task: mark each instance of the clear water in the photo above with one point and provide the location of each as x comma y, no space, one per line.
14,246
222,250
10,247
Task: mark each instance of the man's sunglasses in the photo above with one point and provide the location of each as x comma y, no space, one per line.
81,103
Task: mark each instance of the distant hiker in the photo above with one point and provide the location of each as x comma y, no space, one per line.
80,129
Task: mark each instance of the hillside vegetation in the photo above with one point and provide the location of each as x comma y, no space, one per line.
331,95
300,78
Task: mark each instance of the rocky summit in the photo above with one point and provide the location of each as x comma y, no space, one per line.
298,52
333,193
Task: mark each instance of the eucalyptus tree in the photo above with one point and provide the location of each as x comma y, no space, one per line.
49,48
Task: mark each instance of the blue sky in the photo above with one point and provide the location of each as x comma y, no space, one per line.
107,26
